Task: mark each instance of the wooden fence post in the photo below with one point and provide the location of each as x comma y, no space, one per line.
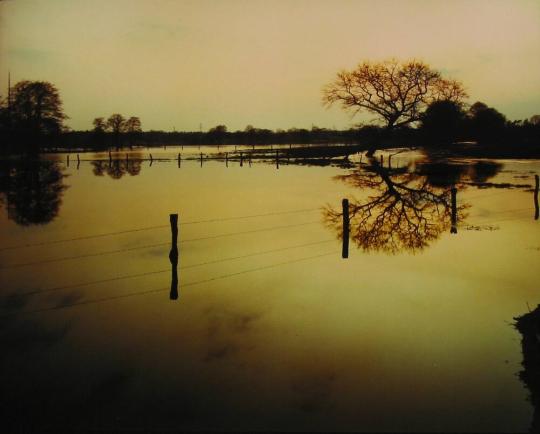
110,157
173,256
453,229
201,159
67,160
226,159
277,159
346,229
241,159
536,209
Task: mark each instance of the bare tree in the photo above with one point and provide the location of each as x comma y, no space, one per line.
397,92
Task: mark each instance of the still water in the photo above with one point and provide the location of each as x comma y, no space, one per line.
269,326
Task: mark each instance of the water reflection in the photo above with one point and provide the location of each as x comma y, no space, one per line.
31,190
529,327
117,168
405,210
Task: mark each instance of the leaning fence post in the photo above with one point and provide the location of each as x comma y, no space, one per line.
453,229
346,222
536,209
173,256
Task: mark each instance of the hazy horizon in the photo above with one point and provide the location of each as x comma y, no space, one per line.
180,64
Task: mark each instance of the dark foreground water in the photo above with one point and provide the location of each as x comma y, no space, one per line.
268,327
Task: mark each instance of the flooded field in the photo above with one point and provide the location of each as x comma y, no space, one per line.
268,325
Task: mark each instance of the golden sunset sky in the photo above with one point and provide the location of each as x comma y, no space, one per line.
178,64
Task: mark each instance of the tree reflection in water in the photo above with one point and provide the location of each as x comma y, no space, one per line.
116,169
405,210
31,190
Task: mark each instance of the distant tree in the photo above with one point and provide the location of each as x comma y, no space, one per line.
442,121
396,92
116,123
486,124
218,129
133,128
99,125
535,120
36,108
133,125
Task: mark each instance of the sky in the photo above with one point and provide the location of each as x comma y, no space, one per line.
189,64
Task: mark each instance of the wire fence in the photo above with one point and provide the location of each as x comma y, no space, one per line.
148,228
160,290
511,214
168,270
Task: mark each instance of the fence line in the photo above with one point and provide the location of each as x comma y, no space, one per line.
154,291
168,270
107,234
110,252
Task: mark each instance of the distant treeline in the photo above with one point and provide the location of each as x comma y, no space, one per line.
499,133
217,136
32,120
